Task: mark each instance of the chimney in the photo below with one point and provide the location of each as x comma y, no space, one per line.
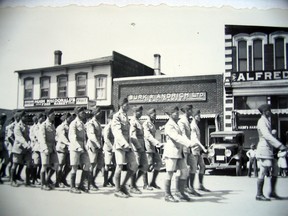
57,57
157,64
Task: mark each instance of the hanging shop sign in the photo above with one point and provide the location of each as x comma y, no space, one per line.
168,97
70,101
260,75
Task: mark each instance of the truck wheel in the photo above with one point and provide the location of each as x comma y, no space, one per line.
238,168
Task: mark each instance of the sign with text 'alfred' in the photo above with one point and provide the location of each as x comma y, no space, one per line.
259,75
56,102
168,97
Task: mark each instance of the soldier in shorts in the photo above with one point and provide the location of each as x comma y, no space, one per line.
138,146
49,158
264,153
95,146
62,148
151,145
123,149
22,153
174,156
109,154
78,151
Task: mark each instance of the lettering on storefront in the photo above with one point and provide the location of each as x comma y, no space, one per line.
167,97
247,127
257,76
56,102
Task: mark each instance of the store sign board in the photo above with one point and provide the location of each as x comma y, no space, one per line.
56,102
168,97
259,76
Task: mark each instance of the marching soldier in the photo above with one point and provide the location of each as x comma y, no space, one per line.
21,150
49,158
264,153
62,148
123,150
109,154
196,151
138,146
151,145
94,145
184,124
78,150
174,156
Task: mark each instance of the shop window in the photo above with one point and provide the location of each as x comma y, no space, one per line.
242,55
249,102
44,87
279,54
28,88
81,84
257,55
101,87
62,86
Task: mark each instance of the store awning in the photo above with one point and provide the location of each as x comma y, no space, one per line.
256,111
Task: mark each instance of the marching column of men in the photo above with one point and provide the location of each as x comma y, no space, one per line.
79,143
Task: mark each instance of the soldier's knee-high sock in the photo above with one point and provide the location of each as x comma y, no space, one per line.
139,174
145,179
82,178
33,174
167,187
182,183
117,180
133,180
129,173
97,171
13,174
260,184
73,180
201,176
191,179
20,168
27,177
105,176
110,179
3,170
50,173
273,184
43,178
154,177
177,184
59,175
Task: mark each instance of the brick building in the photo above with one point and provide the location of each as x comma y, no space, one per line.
159,92
64,86
256,72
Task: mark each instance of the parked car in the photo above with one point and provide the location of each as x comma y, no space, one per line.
226,151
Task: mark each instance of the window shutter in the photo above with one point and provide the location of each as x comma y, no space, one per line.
268,57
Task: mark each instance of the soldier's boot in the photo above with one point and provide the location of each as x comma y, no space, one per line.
273,193
49,175
66,171
202,188
191,181
123,188
110,179
19,171
91,182
44,185
27,177
181,194
134,189
13,178
168,195
94,178
153,181
259,195
59,176
82,180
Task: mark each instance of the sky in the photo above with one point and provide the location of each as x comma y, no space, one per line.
190,39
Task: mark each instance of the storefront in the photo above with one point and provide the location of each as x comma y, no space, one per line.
159,92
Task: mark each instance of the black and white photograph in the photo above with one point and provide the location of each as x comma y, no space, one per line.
119,108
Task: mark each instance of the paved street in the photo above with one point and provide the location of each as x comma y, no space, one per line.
230,195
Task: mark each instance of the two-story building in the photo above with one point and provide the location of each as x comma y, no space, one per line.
65,86
256,72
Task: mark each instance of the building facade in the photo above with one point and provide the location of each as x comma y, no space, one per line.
160,92
87,83
256,72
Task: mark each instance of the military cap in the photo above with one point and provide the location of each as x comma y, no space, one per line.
35,118
123,101
49,111
196,112
40,115
171,110
19,114
65,116
150,111
138,108
79,109
264,107
187,107
96,111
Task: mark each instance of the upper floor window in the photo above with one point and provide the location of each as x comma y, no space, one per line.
257,55
81,84
242,55
28,88
101,87
44,87
279,54
62,86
